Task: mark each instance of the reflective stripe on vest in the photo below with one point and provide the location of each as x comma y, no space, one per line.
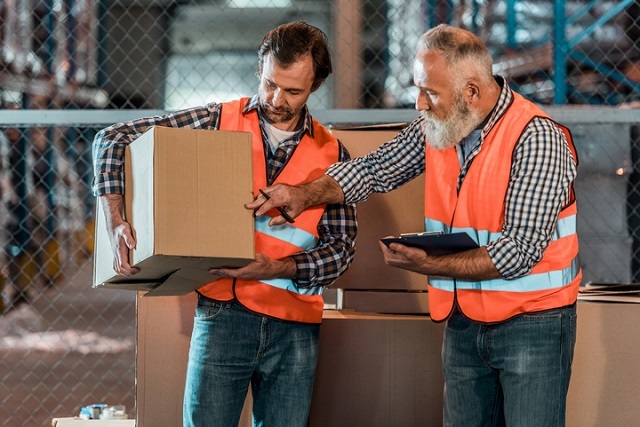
528,283
279,298
477,208
286,232
565,227
532,282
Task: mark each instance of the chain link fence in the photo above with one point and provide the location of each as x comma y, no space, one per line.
64,345
167,54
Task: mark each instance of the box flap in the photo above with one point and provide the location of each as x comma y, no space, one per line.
193,276
182,282
129,286
169,275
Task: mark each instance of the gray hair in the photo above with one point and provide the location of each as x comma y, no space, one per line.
465,54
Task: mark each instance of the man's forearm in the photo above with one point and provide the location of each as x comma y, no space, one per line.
262,268
469,265
112,206
296,199
324,190
474,264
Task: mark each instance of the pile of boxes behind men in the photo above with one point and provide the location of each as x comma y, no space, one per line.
370,285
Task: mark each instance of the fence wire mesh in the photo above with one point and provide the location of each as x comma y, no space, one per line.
64,345
169,53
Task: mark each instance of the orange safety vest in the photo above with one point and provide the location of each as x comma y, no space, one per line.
279,298
478,208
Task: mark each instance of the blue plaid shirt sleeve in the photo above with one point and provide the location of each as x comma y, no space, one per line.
390,166
542,173
337,229
110,143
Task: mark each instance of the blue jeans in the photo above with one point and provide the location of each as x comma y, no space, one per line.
231,348
514,373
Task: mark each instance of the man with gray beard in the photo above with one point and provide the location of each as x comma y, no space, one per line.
499,169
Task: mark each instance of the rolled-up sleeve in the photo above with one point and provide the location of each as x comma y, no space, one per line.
110,143
337,231
388,167
542,175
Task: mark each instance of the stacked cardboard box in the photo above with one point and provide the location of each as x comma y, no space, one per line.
370,285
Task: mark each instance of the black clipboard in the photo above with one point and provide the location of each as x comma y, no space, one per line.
435,243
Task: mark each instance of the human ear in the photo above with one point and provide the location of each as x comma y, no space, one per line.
472,92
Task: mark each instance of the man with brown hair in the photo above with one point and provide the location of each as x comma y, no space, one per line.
258,324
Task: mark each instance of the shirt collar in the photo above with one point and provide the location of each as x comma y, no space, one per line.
307,120
504,101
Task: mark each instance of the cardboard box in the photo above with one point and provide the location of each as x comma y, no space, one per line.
394,361
185,192
382,215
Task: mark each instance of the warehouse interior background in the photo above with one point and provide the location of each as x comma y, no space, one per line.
71,67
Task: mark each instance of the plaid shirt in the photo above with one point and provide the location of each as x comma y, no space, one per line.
542,173
337,228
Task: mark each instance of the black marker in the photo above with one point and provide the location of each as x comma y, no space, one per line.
279,208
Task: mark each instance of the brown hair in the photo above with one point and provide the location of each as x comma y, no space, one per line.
288,42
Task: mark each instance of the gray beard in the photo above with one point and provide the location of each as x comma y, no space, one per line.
447,133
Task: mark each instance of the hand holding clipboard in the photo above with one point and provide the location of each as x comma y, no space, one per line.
435,243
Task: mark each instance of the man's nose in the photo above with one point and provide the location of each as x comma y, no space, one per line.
422,102
278,98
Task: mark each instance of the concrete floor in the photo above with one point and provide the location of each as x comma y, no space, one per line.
70,347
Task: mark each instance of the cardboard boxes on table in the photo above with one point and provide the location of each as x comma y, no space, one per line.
370,285
184,198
